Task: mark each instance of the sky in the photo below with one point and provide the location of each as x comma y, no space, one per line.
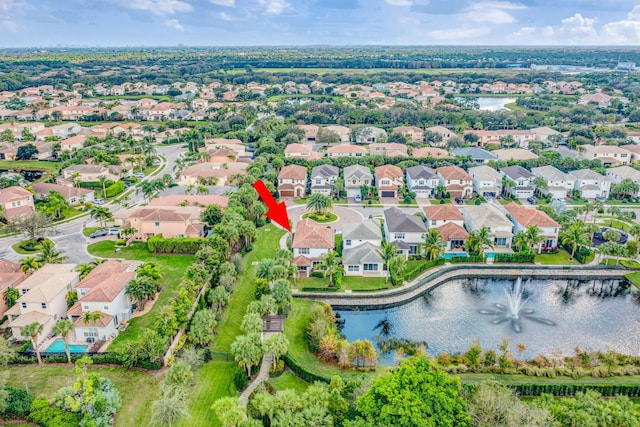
50,23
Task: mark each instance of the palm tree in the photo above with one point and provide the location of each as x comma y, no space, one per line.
102,214
142,289
477,241
486,238
634,230
49,254
91,317
64,328
75,178
85,269
102,180
433,244
33,330
575,235
541,184
319,203
507,185
533,236
387,252
596,206
519,241
614,211
332,263
29,265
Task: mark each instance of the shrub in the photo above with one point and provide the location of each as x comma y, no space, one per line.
114,189
42,413
519,257
240,379
179,245
18,403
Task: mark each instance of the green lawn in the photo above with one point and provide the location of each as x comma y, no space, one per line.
16,247
337,238
288,381
172,267
507,201
137,389
321,218
634,278
615,224
562,257
212,381
88,230
354,283
524,379
266,243
30,165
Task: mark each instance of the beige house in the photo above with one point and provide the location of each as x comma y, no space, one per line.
92,173
15,201
522,217
73,143
388,149
388,179
355,177
430,152
310,133
457,182
179,221
610,155
10,276
342,131
492,218
443,133
514,154
346,150
301,151
292,181
412,133
42,298
220,174
72,195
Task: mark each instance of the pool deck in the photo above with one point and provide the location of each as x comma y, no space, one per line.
440,275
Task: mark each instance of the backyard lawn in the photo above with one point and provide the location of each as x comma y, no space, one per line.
172,267
212,381
288,381
354,283
634,278
137,389
29,165
562,257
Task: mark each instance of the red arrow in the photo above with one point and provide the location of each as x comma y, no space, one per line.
276,211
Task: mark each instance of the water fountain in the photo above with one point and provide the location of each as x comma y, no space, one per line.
514,312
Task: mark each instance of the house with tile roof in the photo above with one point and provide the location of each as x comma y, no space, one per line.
388,179
322,179
218,174
559,184
430,153
10,276
487,182
591,184
439,215
389,149
103,290
15,201
355,177
198,200
346,150
170,221
403,230
443,135
42,298
476,154
453,235
456,180
413,134
609,155
292,181
360,249
368,135
72,195
514,154
523,180
487,215
343,132
422,180
301,151
310,242
522,217
310,133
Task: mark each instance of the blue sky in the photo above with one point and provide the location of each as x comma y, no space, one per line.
26,23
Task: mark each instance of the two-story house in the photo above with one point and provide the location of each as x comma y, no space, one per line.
15,201
322,179
310,242
487,182
522,217
360,249
10,276
103,290
456,180
292,181
42,298
609,155
558,183
422,180
413,134
355,177
621,173
388,179
490,217
179,221
449,222
441,133
403,230
591,184
523,180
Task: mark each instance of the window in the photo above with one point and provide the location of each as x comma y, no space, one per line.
106,307
501,241
354,267
413,249
549,243
85,307
398,236
24,291
318,181
433,222
370,267
91,332
24,305
157,224
304,251
44,305
347,242
180,235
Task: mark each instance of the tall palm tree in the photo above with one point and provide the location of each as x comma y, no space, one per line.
33,330
387,252
49,254
102,214
91,317
64,328
519,242
615,212
142,289
507,185
533,236
486,238
332,263
29,264
433,245
575,235
319,203
103,180
596,206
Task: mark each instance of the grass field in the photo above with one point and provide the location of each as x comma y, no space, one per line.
213,381
29,165
634,278
171,267
562,257
137,389
288,381
354,283
266,244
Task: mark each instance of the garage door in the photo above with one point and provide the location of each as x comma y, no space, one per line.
388,194
286,193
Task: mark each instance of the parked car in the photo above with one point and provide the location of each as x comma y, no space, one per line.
114,230
138,175
127,184
532,200
99,233
459,201
601,199
358,198
98,201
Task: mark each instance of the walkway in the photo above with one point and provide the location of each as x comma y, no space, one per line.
263,376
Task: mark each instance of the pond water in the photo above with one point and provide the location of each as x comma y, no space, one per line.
494,104
594,315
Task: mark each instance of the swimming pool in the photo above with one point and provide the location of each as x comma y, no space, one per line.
58,347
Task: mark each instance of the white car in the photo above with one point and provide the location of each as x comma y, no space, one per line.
138,175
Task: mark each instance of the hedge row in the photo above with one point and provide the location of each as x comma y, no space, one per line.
115,189
302,372
108,358
178,245
519,257
630,390
417,269
481,259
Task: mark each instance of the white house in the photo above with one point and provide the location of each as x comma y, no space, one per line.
487,182
524,186
322,179
591,184
522,217
360,253
356,176
490,217
621,173
403,230
559,184
422,180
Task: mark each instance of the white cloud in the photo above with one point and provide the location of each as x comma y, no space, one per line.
226,3
6,5
458,33
492,12
399,2
274,7
626,31
226,17
578,30
175,24
158,7
7,24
